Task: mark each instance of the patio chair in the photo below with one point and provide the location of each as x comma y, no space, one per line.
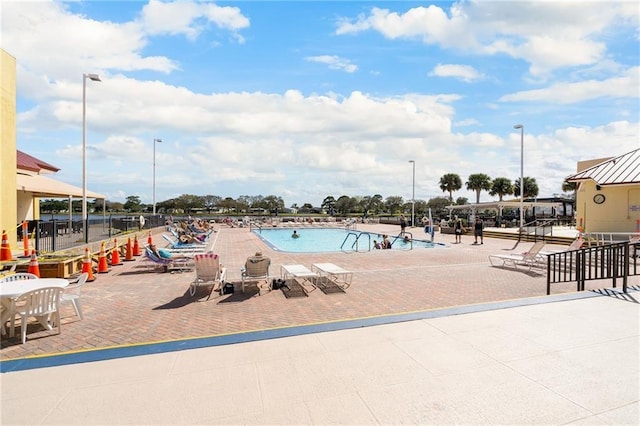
575,245
40,304
174,262
72,292
256,268
18,276
208,272
528,259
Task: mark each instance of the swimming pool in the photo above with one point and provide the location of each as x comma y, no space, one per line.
316,240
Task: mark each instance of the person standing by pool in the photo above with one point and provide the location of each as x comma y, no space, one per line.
477,231
295,234
458,231
403,224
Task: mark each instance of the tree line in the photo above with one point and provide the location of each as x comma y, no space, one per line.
367,205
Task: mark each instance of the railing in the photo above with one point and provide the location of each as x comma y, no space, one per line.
610,261
49,236
354,245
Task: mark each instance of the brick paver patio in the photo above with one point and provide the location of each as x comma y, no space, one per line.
131,305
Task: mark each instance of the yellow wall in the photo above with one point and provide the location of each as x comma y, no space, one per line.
619,212
8,206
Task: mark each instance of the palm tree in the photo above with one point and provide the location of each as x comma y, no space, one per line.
501,186
530,187
449,183
570,187
478,182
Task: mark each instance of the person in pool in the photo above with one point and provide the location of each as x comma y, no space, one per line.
295,234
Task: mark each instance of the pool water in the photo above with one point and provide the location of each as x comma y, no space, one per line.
316,240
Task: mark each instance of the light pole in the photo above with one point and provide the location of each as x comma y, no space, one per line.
154,173
521,127
85,217
413,194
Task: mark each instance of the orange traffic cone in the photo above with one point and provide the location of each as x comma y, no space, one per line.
103,268
115,254
128,255
86,265
34,268
5,250
136,246
25,238
150,239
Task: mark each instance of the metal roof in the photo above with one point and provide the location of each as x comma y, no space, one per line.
28,162
621,170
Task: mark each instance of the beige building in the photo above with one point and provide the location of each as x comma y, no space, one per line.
23,177
608,195
8,203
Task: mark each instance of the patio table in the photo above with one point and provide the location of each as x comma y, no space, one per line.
327,271
13,289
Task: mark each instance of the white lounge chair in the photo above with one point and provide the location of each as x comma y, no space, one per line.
329,271
208,272
528,259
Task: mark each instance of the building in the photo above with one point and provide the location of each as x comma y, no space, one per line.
608,194
24,179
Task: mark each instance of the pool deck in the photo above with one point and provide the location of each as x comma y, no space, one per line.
426,336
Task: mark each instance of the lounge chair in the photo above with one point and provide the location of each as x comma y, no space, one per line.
256,268
528,259
335,273
575,245
208,272
175,262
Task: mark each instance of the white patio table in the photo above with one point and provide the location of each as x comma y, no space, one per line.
12,289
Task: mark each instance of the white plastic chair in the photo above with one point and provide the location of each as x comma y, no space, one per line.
72,292
18,276
40,304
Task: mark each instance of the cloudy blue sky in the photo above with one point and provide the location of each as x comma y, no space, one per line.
314,98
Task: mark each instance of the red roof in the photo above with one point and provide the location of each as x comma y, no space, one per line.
27,162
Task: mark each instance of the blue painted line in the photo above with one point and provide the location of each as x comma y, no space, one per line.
276,333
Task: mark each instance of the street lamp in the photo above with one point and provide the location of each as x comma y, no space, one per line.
413,195
521,127
85,217
154,173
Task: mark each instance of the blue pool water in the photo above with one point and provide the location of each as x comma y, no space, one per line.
315,240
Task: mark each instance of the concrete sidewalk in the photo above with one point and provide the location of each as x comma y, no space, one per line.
565,360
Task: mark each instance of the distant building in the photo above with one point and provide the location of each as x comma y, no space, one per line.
608,195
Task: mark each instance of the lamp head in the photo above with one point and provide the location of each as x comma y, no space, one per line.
93,77
158,140
518,126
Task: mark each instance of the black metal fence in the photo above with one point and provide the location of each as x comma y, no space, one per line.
610,261
48,236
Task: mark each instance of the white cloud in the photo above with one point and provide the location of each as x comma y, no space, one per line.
624,86
465,73
334,62
571,35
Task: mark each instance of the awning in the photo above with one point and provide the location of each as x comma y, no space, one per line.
42,186
504,204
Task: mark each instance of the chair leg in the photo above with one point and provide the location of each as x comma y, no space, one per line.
77,307
23,328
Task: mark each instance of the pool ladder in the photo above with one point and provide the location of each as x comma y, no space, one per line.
354,245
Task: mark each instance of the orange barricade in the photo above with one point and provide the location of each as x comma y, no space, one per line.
5,251
103,267
136,246
25,237
128,256
115,254
34,268
86,265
